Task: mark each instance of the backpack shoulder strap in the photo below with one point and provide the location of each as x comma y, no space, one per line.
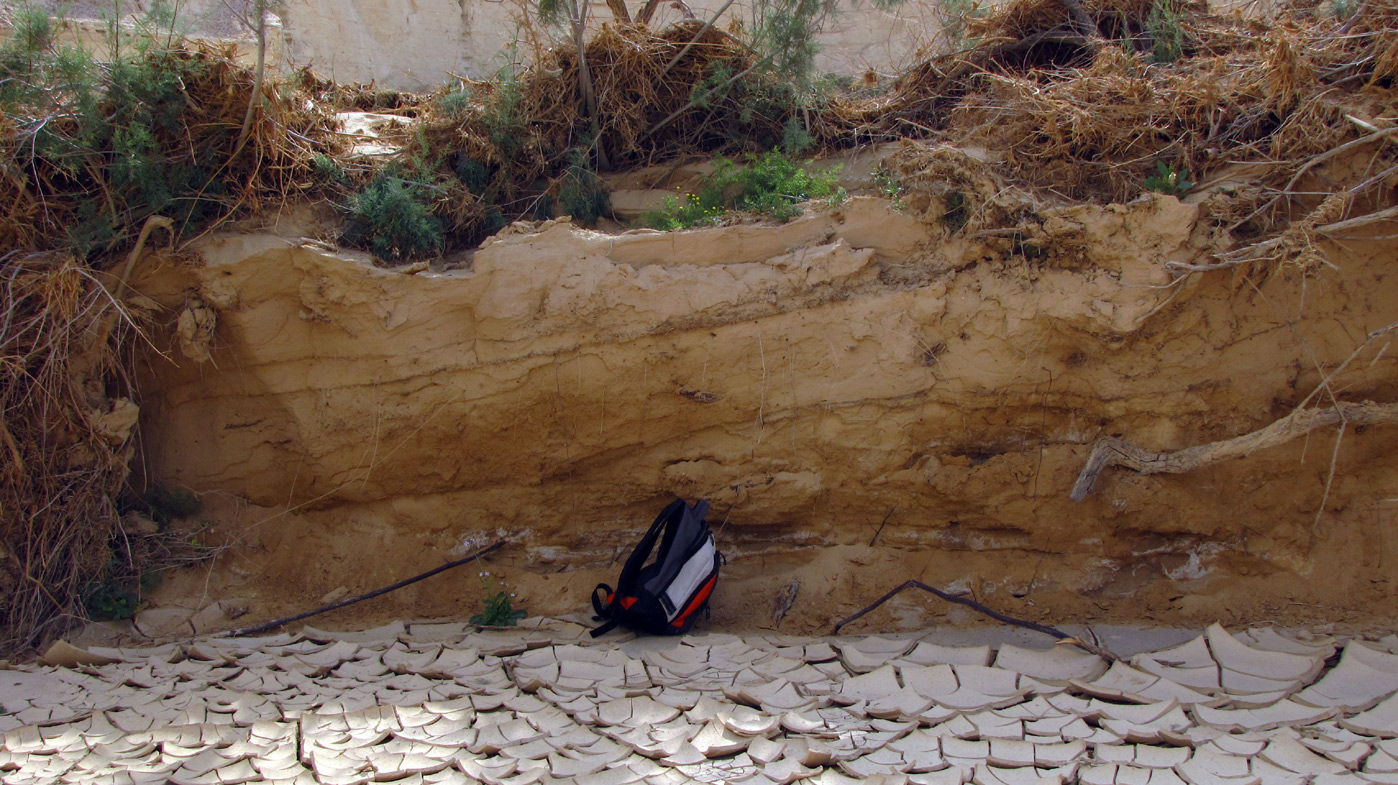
688,533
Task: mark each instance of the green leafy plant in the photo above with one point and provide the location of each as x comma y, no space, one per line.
1169,181
683,212
117,593
110,600
498,610
771,185
889,186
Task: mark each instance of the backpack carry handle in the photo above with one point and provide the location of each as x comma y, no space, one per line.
603,607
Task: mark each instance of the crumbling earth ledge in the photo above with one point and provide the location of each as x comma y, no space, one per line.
348,425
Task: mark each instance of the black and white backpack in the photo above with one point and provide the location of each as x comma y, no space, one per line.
665,596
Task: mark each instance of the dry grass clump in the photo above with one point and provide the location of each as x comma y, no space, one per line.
65,436
964,192
1366,45
634,93
91,155
1091,118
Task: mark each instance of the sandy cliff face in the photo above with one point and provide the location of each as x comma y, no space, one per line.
349,425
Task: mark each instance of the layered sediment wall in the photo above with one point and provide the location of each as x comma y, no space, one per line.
867,394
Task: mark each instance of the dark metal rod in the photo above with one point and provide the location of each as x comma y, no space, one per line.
342,603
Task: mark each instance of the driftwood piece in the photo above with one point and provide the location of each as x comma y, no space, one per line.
273,624
1115,452
1054,632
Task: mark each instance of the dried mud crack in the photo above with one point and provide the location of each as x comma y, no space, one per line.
441,703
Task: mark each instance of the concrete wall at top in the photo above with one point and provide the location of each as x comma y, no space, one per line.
418,44
402,45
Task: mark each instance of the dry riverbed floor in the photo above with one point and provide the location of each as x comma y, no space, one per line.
450,703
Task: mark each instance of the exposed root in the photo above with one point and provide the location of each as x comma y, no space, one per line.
1115,452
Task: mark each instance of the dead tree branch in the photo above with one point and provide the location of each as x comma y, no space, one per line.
647,11
618,8
1000,617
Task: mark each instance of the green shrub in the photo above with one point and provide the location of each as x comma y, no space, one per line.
392,217
1166,29
796,139
471,172
327,170
119,142
502,117
771,185
583,195
454,102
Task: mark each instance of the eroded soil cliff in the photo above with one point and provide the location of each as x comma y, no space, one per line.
866,394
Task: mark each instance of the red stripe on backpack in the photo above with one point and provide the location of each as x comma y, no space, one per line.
696,603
